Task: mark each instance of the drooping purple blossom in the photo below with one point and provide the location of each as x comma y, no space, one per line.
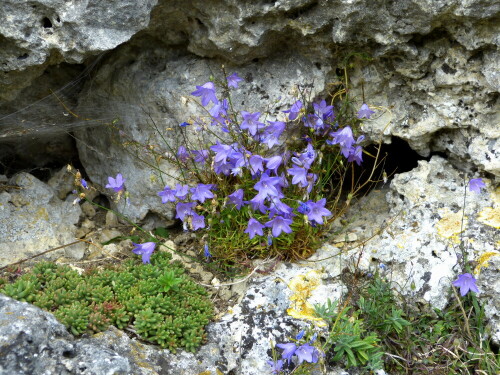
207,93
289,350
181,191
356,154
256,164
307,353
317,211
197,221
294,110
184,209
272,132
206,252
200,156
145,249
323,110
236,198
167,195
278,208
365,111
344,138
201,192
467,283
182,154
84,184
268,186
311,180
299,176
254,228
273,163
222,151
233,79
276,366
251,122
303,208
116,184
279,224
476,184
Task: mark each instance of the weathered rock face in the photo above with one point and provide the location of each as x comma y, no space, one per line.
37,34
33,219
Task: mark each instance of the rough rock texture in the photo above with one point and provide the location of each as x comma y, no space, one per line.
36,34
421,244
153,91
33,219
34,342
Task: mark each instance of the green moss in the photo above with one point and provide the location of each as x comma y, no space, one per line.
160,302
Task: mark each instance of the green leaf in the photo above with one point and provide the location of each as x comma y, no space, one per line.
162,232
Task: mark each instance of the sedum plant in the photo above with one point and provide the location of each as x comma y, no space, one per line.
157,300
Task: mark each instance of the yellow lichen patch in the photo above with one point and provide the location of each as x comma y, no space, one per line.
302,286
450,225
490,216
482,261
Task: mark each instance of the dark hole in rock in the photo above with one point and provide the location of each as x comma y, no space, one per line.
41,156
68,354
396,157
23,56
495,348
47,24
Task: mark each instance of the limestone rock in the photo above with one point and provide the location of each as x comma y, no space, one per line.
38,33
33,219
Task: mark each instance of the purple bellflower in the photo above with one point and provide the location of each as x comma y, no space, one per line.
181,191
197,221
184,209
233,79
253,228
289,350
201,192
467,283
167,195
84,183
303,208
307,353
356,154
317,211
116,184
200,156
294,111
279,224
275,366
322,110
251,122
476,184
206,252
273,163
267,186
256,164
145,249
182,154
236,198
272,133
207,93
365,111
299,176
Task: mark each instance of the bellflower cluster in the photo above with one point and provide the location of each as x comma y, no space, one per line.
267,178
304,352
187,199
348,145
